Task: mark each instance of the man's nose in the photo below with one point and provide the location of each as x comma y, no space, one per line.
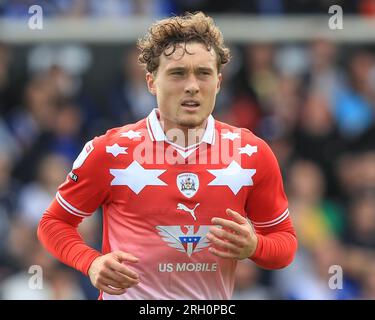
192,86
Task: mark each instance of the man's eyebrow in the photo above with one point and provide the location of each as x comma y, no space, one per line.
182,68
176,69
205,69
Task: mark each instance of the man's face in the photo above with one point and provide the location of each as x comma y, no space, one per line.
186,85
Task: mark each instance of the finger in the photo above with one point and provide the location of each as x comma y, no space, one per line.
110,290
118,277
222,254
222,244
105,281
236,216
223,234
125,256
119,267
229,224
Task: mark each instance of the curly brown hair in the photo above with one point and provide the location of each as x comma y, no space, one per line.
168,33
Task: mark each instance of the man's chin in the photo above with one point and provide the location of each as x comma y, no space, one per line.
191,122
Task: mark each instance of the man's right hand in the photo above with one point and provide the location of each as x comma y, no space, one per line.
109,274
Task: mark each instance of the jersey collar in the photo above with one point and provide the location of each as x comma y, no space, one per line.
156,132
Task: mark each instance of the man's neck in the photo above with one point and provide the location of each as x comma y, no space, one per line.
183,136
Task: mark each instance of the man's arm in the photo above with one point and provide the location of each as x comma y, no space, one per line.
57,231
85,189
277,245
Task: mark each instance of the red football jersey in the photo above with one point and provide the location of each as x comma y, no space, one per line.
158,200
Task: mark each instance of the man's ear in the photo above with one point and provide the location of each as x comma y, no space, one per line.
218,86
150,79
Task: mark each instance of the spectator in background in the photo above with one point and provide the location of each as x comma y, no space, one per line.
361,225
316,217
248,285
37,115
309,277
236,104
57,281
65,66
52,120
8,203
279,126
354,106
261,74
8,144
324,75
31,122
8,186
316,137
5,57
319,225
284,109
359,241
35,197
130,99
256,82
356,174
66,138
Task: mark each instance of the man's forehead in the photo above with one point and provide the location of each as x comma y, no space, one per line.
185,53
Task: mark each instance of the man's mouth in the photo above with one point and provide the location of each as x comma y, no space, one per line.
191,104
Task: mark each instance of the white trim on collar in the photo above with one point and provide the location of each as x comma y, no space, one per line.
156,132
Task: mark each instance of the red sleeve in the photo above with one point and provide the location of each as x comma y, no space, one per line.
267,209
85,189
57,231
276,246
87,186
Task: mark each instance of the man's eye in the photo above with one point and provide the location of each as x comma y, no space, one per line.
178,73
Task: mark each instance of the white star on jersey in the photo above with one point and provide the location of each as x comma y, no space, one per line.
230,135
233,176
131,134
136,177
248,149
116,150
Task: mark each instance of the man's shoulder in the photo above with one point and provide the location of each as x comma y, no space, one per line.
126,134
115,141
246,135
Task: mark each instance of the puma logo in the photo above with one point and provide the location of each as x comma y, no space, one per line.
181,206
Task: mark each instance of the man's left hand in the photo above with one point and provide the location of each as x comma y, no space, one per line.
235,240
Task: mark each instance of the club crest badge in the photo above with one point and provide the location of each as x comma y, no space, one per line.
188,184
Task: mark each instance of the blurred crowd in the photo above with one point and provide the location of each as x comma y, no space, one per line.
314,103
113,8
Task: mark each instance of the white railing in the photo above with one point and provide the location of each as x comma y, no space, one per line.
237,28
